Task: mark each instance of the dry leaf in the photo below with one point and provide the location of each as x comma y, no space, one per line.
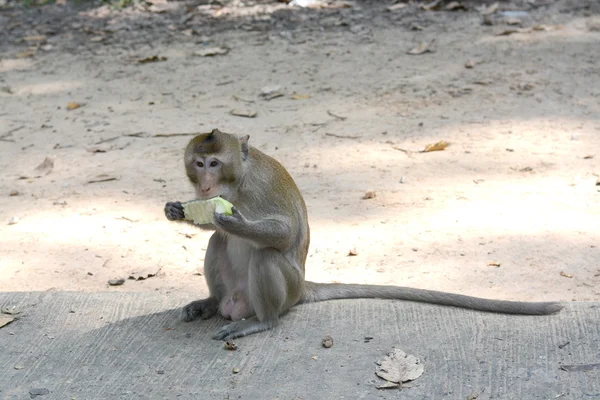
5,321
13,220
25,54
72,105
104,178
490,10
327,342
230,346
243,113
370,194
439,146
434,5
455,6
389,385
353,252
562,273
151,59
315,358
147,273
35,38
301,96
398,367
469,64
46,166
589,157
422,48
494,264
526,169
395,7
211,51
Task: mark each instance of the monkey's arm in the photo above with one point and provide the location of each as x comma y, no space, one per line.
174,212
271,232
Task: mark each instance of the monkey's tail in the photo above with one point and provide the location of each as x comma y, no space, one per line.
314,292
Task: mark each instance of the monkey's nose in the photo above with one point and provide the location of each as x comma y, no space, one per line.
206,189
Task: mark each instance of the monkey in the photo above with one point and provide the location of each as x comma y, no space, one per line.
255,260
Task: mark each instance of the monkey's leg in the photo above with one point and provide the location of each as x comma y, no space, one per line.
213,263
274,286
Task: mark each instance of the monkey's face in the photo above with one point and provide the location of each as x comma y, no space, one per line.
206,172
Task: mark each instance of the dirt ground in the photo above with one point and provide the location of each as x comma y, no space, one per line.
518,185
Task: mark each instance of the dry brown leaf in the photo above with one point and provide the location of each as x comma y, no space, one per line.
398,367
526,169
72,105
46,166
439,146
455,6
490,10
434,5
353,252
422,48
299,96
562,273
104,178
211,51
243,113
35,38
5,320
469,64
589,157
151,59
370,194
395,7
494,264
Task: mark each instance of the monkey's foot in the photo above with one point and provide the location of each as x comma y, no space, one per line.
205,309
242,328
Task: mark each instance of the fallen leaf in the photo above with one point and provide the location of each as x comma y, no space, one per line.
72,105
398,367
301,96
5,321
526,169
38,392
13,220
315,358
422,48
229,345
434,5
46,166
145,274
327,342
353,252
104,178
370,194
395,7
388,385
35,38
25,54
151,59
589,157
211,51
271,92
439,146
494,264
492,8
243,113
469,64
455,6
562,273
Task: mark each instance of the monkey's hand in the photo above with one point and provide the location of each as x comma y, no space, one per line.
234,223
174,211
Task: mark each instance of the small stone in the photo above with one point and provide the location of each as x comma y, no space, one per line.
327,341
116,282
160,372
235,370
38,392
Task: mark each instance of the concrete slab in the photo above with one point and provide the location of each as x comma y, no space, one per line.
131,345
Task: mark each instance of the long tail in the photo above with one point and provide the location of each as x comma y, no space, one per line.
314,292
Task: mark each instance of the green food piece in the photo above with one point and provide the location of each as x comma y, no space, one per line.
202,211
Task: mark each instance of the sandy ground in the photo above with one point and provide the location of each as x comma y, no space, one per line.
517,186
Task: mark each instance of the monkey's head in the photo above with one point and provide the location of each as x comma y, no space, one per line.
214,163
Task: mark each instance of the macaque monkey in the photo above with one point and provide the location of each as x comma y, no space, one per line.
254,264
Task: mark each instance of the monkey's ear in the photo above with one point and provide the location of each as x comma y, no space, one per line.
244,143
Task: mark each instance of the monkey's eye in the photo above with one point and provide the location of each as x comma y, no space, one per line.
200,164
214,164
